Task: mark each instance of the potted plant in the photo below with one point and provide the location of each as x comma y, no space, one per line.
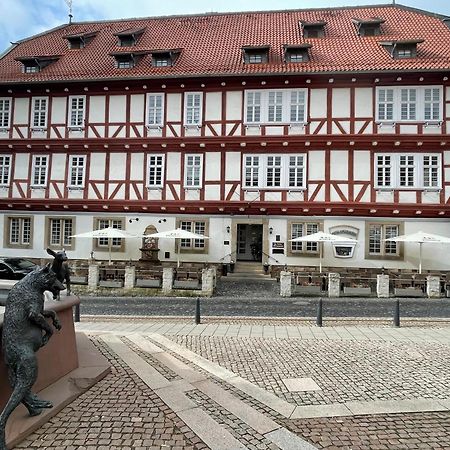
231,266
266,267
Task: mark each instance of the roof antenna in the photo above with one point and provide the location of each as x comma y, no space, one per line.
69,4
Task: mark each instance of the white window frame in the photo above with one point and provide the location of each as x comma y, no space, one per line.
187,108
189,171
265,105
5,124
44,167
260,167
150,184
418,167
77,109
76,168
41,112
419,102
148,116
5,170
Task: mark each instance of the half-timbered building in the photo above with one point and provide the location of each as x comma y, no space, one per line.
252,128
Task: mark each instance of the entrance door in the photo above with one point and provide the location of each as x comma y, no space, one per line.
249,242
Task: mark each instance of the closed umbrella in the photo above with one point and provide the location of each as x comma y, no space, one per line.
319,237
177,233
421,238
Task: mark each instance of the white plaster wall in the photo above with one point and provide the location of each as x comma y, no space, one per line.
234,105
339,165
363,102
316,165
212,166
212,192
318,103
361,165
173,166
137,112
407,197
233,166
118,166
21,109
174,107
97,166
97,108
59,166
213,110
117,108
340,103
59,110
21,166
137,171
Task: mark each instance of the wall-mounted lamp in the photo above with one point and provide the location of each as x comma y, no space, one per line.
133,220
228,229
162,220
270,230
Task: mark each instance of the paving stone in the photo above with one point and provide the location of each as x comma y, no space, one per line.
301,384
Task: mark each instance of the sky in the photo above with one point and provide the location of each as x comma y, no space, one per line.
23,18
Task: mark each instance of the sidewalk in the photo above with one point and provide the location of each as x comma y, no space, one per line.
175,385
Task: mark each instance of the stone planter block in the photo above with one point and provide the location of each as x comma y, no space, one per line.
357,290
308,289
408,292
111,284
151,283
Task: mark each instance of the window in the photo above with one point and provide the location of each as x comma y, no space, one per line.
77,168
155,109
279,106
39,112
39,171
5,169
31,68
256,55
418,104
77,107
299,229
313,29
403,171
194,226
19,232
193,171
124,62
368,27
5,112
161,61
60,231
155,171
193,108
116,244
274,171
377,247
296,54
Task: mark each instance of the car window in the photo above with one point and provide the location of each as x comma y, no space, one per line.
20,263
4,267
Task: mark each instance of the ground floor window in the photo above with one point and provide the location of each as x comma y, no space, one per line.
376,244
194,226
19,232
298,229
60,231
117,244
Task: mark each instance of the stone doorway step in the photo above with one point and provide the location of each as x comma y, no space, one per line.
248,270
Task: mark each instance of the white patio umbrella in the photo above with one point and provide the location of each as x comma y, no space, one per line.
319,237
107,233
421,238
177,233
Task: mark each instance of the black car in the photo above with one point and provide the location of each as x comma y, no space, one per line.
15,268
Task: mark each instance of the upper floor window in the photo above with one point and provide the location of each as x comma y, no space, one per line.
275,106
19,231
78,41
413,170
77,108
155,109
5,112
274,171
39,171
129,38
39,112
376,244
165,58
60,231
33,64
296,53
255,54
193,108
155,171
313,29
193,171
5,169
368,27
409,103
402,49
77,171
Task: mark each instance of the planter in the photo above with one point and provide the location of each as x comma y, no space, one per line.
148,283
186,284
308,290
357,290
111,284
78,280
408,292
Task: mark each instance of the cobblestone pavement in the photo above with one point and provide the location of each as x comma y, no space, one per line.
178,386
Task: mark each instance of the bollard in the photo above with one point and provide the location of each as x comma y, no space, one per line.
397,313
319,312
197,311
77,312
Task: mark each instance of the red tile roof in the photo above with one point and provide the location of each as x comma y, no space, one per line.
211,45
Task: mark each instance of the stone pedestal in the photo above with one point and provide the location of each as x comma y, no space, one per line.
208,281
383,286
130,277
433,287
93,276
285,284
167,280
334,285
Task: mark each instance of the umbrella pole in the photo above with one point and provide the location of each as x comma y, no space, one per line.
178,251
420,257
109,248
320,257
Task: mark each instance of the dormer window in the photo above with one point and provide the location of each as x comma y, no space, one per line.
164,58
402,49
34,64
296,53
80,40
312,29
126,60
368,27
129,38
256,54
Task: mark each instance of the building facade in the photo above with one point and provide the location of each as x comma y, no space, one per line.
250,128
